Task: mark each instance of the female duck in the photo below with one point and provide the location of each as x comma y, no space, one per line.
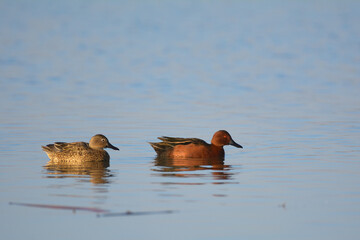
80,151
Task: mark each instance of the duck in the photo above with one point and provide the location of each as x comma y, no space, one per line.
175,147
61,152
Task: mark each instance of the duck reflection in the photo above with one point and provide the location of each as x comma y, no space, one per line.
97,171
187,166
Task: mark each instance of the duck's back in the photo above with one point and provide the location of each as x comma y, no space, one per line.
76,151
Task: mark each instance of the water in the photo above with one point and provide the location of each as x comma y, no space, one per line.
281,77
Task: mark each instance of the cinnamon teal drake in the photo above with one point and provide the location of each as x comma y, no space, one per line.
172,147
80,151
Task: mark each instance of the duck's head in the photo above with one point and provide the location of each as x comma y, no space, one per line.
222,138
99,141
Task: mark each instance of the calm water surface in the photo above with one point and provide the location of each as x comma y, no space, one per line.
281,77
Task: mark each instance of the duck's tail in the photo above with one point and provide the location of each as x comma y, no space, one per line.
48,148
159,147
56,147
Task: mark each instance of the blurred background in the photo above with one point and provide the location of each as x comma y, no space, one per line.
281,76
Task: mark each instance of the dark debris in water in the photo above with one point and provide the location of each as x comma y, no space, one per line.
61,207
100,212
130,213
283,206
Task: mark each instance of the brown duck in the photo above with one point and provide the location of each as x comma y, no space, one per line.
172,147
80,151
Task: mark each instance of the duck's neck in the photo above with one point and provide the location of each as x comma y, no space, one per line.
95,147
217,151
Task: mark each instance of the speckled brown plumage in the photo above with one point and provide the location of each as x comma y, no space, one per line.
80,151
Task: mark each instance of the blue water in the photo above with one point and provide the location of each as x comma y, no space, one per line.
283,77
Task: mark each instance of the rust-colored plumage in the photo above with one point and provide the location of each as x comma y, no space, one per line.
174,147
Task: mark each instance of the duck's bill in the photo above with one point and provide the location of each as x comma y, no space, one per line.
112,147
233,143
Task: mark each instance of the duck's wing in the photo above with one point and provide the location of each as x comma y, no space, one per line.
170,142
176,140
65,147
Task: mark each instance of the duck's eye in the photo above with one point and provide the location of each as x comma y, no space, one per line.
103,140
